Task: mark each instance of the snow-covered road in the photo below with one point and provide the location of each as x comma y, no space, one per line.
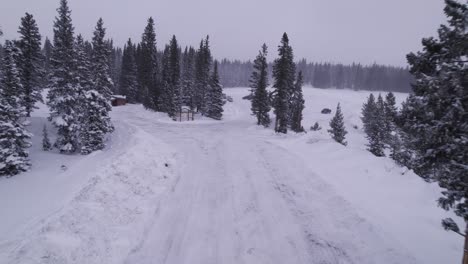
241,199
223,192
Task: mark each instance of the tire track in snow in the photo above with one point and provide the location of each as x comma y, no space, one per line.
334,231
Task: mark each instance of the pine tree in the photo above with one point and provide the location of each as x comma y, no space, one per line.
215,96
258,84
337,128
175,86
148,68
202,75
436,116
14,139
165,94
30,63
368,112
46,54
297,105
46,145
188,77
85,84
284,75
390,112
373,119
171,92
96,119
64,93
83,68
128,76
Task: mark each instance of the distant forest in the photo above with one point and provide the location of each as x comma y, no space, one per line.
236,73
327,75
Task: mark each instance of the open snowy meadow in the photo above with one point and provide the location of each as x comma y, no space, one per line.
223,192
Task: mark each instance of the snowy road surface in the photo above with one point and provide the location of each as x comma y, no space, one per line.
230,192
240,199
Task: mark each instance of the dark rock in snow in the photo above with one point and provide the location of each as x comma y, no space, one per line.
326,111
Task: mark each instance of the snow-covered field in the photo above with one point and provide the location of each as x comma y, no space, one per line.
223,192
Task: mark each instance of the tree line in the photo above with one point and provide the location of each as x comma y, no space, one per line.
373,77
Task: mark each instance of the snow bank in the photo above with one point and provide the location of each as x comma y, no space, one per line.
95,211
396,200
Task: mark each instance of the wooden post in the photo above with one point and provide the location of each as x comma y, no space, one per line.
465,250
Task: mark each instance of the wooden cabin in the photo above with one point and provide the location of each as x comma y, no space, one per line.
118,100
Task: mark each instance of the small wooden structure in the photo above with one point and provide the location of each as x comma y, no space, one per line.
118,100
185,114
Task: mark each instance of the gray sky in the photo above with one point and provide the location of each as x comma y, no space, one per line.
344,31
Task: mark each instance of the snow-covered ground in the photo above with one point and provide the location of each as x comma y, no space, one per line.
223,192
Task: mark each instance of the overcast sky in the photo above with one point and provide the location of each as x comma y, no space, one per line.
365,31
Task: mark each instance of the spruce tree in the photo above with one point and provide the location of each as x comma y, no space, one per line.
96,119
436,116
30,63
337,128
64,93
46,54
171,92
188,77
202,76
297,105
284,74
46,145
128,76
14,139
165,93
148,68
85,84
175,86
215,96
373,119
258,83
83,68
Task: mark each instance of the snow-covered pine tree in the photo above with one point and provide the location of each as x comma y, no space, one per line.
14,139
337,127
101,77
394,136
46,145
46,54
436,117
164,95
30,62
96,122
297,105
83,67
391,113
374,126
188,77
148,68
171,94
128,75
165,98
64,93
260,103
84,83
174,65
385,131
284,73
368,111
215,96
202,75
